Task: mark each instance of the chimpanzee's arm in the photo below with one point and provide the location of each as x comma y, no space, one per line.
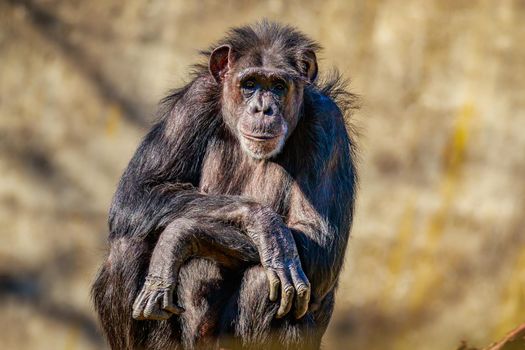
233,232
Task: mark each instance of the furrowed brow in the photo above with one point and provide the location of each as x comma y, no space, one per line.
283,74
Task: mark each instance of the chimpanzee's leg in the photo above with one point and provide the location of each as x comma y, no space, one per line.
204,289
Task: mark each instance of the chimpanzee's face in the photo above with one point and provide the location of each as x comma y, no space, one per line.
261,99
261,105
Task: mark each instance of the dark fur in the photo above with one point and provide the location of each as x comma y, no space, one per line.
166,181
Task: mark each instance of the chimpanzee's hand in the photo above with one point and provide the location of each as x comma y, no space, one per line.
280,259
155,301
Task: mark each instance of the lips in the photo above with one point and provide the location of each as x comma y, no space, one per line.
259,137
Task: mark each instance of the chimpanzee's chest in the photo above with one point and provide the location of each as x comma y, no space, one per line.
262,180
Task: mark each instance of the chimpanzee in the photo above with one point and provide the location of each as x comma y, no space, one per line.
229,226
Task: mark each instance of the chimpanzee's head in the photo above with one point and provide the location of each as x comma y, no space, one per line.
262,71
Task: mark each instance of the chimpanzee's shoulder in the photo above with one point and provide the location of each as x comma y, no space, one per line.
324,112
325,105
331,96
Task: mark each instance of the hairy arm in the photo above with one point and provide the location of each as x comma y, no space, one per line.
233,232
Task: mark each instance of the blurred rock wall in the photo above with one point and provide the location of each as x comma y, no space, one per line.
438,248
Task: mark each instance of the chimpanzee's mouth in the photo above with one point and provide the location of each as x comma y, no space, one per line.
259,137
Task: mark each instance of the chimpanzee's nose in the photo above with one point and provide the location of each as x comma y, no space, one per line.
262,108
267,109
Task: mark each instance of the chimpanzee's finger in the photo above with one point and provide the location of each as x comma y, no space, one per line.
303,289
137,305
273,281
153,303
287,292
169,305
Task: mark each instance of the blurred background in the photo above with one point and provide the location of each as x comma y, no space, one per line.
438,248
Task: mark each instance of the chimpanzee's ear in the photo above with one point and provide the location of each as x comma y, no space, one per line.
309,65
220,62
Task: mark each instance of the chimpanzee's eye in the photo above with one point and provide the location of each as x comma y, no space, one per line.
248,84
279,87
